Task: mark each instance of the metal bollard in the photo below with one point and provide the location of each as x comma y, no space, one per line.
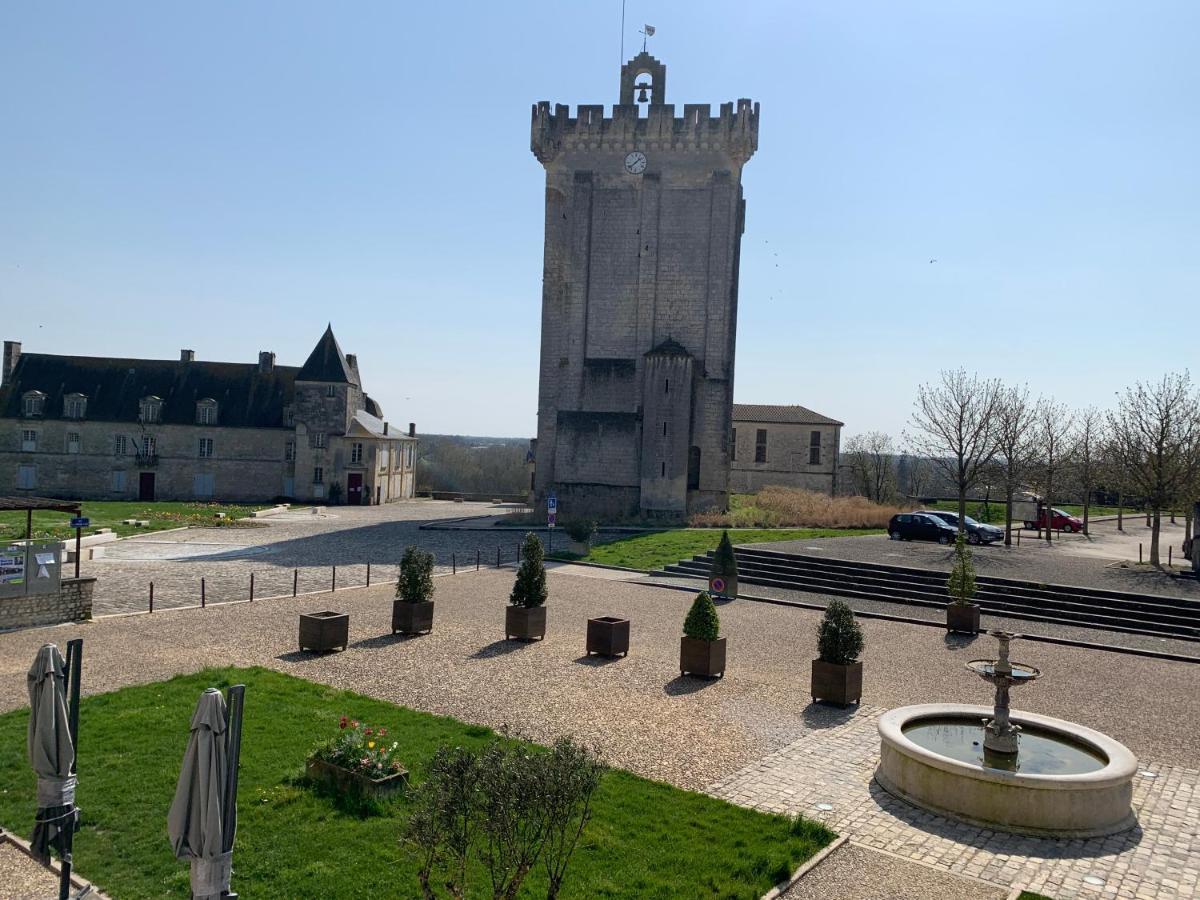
202,593
152,596
453,564
333,582
1018,537
1170,550
497,557
478,557
251,587
518,554
1139,553
368,574
295,580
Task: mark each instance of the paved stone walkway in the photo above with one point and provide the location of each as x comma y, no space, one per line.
828,774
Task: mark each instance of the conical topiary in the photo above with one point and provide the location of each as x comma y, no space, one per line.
961,584
416,576
529,590
840,640
724,567
702,622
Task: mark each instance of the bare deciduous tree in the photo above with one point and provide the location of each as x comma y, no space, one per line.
1089,440
871,458
912,474
954,422
1053,424
1154,432
1013,423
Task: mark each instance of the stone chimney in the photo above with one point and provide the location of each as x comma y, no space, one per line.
187,355
12,353
385,429
266,361
412,429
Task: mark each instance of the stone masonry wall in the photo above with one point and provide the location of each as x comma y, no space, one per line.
787,458
72,603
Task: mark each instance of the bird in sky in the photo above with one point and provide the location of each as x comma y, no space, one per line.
933,260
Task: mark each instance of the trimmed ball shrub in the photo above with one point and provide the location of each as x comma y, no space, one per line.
702,622
840,640
530,587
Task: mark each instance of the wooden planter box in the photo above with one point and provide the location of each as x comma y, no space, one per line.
608,636
963,618
324,631
412,618
705,658
836,684
525,624
343,781
729,588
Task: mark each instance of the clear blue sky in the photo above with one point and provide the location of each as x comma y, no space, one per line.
230,176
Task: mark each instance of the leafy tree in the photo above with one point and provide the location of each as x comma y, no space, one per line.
416,576
961,584
724,561
702,622
529,590
840,640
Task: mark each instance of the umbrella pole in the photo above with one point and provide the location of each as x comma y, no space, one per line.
233,752
74,661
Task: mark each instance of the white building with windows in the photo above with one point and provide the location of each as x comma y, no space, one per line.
789,446
123,429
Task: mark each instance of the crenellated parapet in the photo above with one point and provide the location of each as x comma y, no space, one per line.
734,130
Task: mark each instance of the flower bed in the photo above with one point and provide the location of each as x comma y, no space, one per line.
359,759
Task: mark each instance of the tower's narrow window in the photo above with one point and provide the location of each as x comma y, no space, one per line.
664,428
664,468
667,386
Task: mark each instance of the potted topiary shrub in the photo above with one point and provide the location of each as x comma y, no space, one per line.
525,617
580,532
702,649
723,576
412,610
837,672
961,614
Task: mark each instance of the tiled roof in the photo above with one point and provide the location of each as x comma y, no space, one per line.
327,362
780,415
114,388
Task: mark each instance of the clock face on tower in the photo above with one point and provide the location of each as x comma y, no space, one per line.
635,163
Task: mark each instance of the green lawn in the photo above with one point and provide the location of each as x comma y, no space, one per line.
108,514
646,839
995,510
662,548
1030,895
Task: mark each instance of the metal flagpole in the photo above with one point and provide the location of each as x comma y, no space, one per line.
74,660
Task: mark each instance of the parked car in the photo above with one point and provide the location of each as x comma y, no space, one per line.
1059,521
977,532
920,527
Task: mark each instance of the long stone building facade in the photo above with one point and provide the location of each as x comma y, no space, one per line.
787,446
644,218
93,428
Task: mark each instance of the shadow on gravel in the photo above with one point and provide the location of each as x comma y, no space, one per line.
384,640
500,648
822,715
295,656
596,660
687,684
999,841
956,640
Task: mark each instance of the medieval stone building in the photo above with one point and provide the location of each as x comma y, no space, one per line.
92,428
644,217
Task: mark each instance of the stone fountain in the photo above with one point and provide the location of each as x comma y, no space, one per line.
1012,771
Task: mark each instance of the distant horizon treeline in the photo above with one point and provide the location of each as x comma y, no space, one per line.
471,464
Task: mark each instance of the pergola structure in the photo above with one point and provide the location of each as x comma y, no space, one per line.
29,505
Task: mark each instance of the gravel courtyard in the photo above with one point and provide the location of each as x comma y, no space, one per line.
736,737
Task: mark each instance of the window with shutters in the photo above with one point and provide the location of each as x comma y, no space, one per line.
814,448
760,445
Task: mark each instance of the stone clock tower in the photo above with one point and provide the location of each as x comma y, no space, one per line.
644,217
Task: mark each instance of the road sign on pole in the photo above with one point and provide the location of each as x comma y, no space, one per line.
80,522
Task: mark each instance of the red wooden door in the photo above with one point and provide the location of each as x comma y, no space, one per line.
354,488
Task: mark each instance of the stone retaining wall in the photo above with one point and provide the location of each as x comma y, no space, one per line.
71,603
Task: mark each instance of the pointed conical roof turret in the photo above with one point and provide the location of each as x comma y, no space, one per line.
327,362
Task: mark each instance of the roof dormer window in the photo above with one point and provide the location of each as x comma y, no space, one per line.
34,404
150,409
206,412
74,406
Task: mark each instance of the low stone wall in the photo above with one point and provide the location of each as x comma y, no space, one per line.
71,603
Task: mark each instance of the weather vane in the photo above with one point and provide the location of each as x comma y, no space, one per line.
647,31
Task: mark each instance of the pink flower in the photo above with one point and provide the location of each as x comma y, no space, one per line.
342,722
368,732
383,732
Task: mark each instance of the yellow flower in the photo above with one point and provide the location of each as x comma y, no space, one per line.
370,745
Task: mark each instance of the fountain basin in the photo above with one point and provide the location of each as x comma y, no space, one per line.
1054,804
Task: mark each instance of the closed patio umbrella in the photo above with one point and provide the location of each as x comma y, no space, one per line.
51,751
203,817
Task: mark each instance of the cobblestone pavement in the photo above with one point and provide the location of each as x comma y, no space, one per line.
295,545
1071,559
828,774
